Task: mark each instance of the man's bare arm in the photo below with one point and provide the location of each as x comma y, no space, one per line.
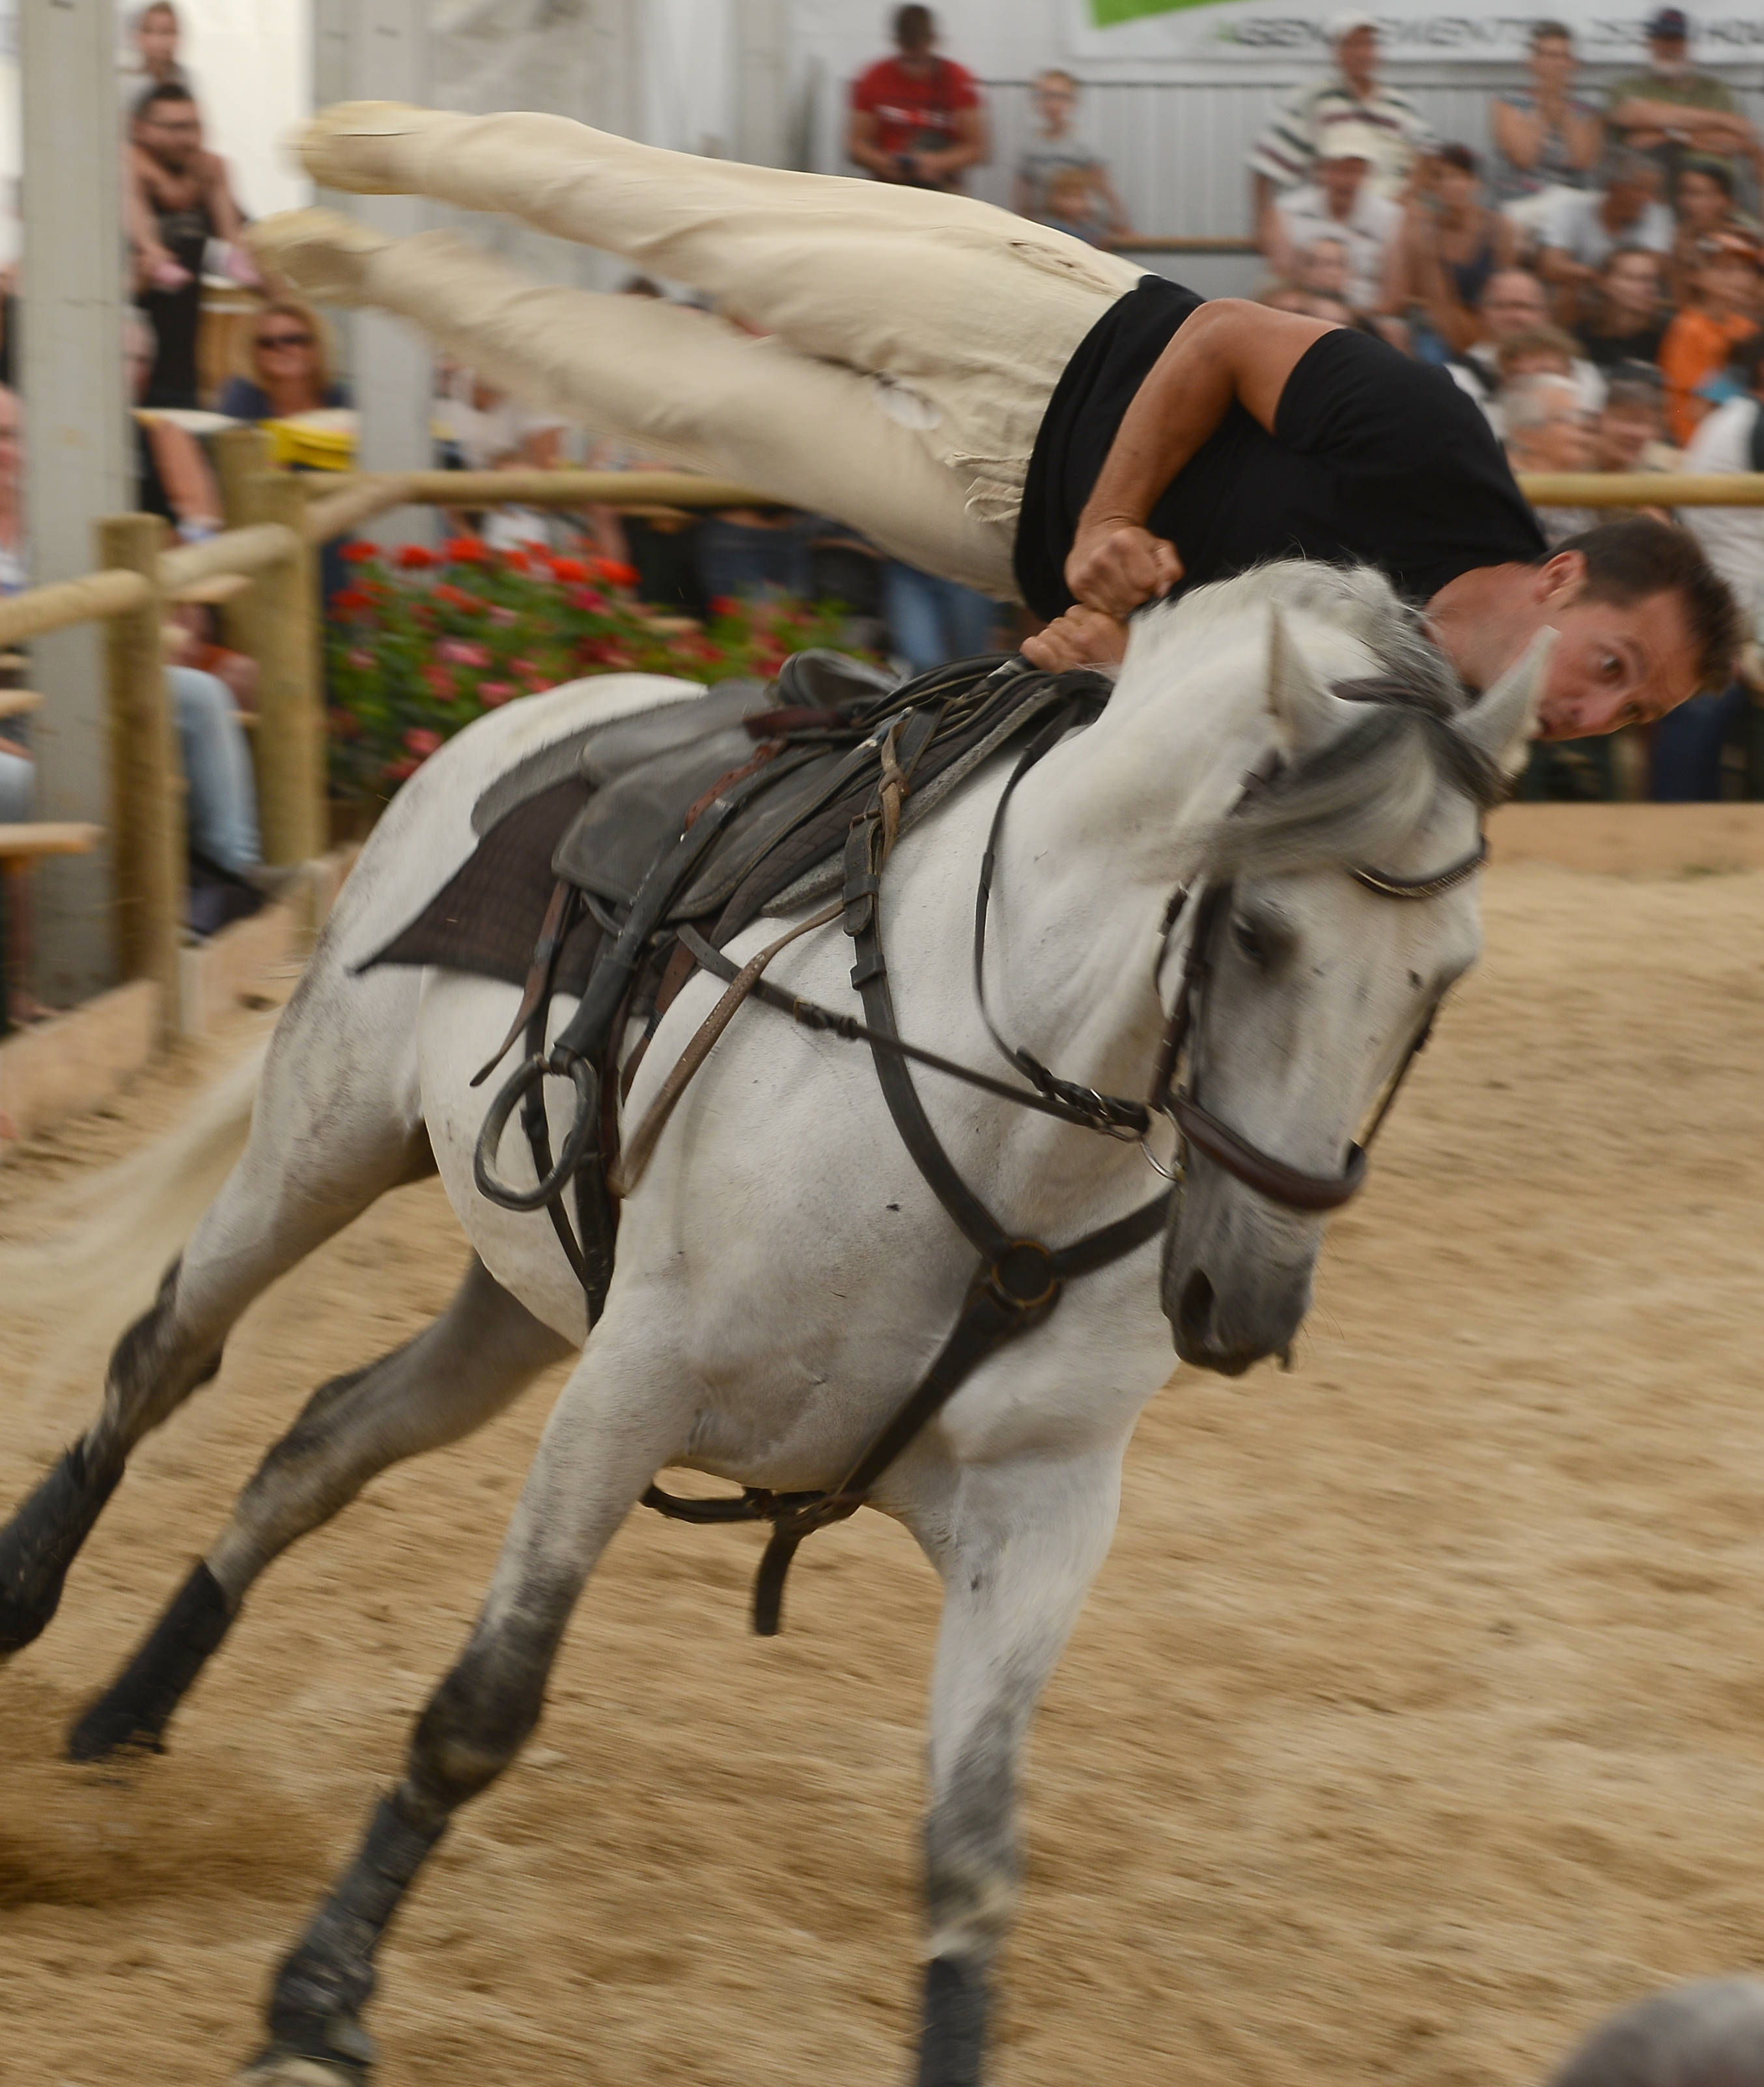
860,145
1230,352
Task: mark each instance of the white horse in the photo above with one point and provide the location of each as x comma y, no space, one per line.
783,1273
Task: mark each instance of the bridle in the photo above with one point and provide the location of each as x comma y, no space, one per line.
1198,1129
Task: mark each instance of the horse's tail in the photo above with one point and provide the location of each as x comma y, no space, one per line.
109,1237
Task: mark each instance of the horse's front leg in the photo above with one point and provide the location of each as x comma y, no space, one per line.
620,1417
1017,1544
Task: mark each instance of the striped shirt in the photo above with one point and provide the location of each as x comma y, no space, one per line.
1288,149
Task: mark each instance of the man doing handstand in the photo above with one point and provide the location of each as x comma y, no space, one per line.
994,401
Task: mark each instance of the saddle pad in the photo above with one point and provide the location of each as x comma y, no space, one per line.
486,918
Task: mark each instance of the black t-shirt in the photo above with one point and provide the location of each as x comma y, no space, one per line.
1374,459
1607,350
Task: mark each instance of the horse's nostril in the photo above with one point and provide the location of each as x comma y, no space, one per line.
1195,1312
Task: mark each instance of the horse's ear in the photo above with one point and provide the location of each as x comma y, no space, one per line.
1501,720
1298,701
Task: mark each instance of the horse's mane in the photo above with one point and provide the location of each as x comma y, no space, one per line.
1368,790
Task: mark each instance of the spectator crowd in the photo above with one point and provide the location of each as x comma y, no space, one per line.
1596,281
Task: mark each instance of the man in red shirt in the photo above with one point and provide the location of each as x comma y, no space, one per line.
916,118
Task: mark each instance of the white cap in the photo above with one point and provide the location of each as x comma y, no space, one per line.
1350,141
1345,24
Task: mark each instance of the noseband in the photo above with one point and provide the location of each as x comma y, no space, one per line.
1196,1128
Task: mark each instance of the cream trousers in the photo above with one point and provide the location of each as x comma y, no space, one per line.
908,341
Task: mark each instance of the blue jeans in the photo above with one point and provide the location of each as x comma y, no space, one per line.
930,620
1684,764
222,803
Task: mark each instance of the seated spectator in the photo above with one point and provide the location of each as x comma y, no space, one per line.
1630,432
1700,342
173,477
1057,150
1546,137
916,118
1704,197
1341,205
1582,226
1514,308
1071,207
1452,245
1548,429
1730,438
1352,97
1671,109
288,367
1628,323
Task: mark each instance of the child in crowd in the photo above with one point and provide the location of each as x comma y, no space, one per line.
1700,342
1090,206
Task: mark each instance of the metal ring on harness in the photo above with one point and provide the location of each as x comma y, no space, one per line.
525,1078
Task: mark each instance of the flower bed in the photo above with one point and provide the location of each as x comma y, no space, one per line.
420,642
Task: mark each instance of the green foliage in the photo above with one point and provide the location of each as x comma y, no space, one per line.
420,642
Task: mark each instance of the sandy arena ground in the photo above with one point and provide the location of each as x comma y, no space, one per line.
1417,1720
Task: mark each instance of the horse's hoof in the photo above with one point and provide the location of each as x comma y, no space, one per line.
137,1707
287,2068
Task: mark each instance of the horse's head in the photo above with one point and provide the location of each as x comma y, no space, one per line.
1341,911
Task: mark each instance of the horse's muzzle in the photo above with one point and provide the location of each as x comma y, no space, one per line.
1235,1284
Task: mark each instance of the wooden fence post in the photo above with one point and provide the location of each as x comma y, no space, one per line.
147,823
292,802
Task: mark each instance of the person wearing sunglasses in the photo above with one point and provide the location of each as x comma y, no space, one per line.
286,369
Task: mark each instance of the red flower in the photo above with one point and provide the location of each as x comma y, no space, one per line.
350,601
495,694
569,569
615,572
466,550
498,614
458,598
361,553
413,558
462,652
400,771
422,742
724,604
441,683
517,560
344,724
586,598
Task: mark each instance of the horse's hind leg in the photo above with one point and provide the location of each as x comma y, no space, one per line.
468,1366
337,1123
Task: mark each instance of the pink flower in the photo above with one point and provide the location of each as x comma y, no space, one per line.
441,683
422,742
505,617
521,667
495,694
361,659
586,598
462,652
400,771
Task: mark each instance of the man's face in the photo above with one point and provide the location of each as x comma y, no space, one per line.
1627,198
1668,56
156,38
171,131
1729,284
1514,303
1056,100
1357,55
1339,180
1632,286
1623,435
1562,440
1615,662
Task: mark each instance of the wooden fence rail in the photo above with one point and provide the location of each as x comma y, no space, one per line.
281,520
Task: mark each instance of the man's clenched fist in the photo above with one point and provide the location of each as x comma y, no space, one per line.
1119,565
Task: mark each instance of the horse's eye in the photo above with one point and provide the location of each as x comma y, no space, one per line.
1249,940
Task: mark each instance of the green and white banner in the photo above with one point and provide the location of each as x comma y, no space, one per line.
1434,30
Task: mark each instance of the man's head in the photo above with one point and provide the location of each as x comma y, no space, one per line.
167,126
1513,302
1542,350
1354,38
1344,160
1322,269
1457,176
1547,427
1704,194
1631,183
1644,623
1630,419
916,30
155,36
1668,42
1056,98
1629,283
1728,274
1551,54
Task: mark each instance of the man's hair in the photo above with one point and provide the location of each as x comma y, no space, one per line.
1543,32
1058,72
163,90
1718,171
145,14
1525,402
915,29
1498,275
1459,156
1632,393
1637,558
1628,252
1537,340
